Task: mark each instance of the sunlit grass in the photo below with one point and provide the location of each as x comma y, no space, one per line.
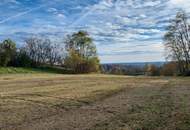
27,97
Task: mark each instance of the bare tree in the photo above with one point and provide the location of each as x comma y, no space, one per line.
56,55
177,42
43,51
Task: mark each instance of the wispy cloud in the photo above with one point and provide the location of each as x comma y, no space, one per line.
20,14
24,12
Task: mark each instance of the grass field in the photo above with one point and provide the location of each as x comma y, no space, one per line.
39,70
93,102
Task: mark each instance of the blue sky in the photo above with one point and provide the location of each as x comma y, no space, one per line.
123,30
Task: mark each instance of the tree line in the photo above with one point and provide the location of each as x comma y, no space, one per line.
167,69
77,53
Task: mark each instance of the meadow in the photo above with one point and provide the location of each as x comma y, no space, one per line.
41,101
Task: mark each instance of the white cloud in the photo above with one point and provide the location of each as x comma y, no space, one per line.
152,3
52,10
183,4
178,2
61,15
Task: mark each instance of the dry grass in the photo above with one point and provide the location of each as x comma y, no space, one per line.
28,101
157,107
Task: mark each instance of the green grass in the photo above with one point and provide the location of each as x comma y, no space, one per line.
20,70
13,70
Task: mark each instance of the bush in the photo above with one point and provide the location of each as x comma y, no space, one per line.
79,64
169,69
152,70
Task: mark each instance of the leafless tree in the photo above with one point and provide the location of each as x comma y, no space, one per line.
43,51
177,42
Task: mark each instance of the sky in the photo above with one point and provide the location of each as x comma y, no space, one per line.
123,30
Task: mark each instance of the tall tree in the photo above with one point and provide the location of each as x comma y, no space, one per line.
7,52
177,42
82,44
82,54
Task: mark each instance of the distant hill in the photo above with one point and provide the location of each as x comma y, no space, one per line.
134,68
137,64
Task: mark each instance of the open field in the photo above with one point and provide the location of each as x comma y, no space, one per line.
93,102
